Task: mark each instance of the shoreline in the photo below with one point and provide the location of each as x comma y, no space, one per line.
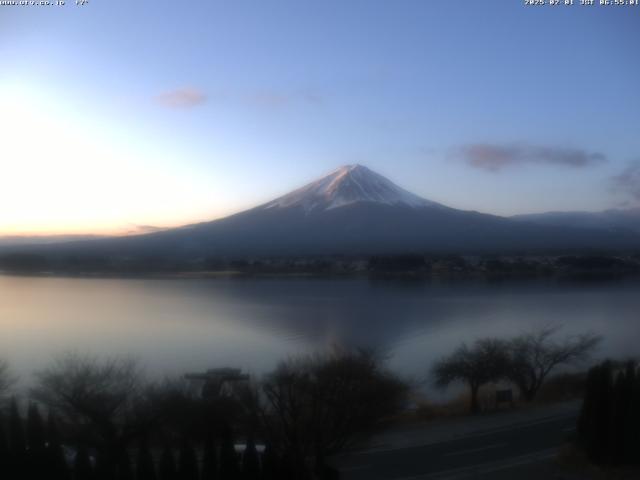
381,276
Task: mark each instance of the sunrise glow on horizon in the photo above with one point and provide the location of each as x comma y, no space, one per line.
69,176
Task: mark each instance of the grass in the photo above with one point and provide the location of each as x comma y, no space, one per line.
558,388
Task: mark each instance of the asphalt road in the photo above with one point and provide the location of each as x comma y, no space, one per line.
489,454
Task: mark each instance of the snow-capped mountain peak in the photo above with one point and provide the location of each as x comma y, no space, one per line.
347,185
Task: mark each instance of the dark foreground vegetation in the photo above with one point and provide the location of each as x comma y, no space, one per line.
609,423
90,418
104,422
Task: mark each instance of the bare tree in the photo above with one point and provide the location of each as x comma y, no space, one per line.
179,409
533,356
93,395
315,406
483,362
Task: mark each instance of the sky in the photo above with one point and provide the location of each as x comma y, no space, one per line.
120,116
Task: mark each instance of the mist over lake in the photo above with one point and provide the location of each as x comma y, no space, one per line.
173,326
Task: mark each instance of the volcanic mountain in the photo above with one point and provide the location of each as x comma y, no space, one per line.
619,220
346,186
352,211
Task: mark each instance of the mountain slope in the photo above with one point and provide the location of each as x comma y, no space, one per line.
613,220
345,186
350,211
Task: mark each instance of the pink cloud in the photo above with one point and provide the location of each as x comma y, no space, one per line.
182,98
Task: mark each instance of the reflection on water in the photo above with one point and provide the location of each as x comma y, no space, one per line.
179,325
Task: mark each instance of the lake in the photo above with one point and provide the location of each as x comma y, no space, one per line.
177,325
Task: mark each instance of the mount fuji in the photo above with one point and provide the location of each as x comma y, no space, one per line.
345,186
350,211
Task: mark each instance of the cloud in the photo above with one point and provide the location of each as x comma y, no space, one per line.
493,157
628,182
261,99
182,98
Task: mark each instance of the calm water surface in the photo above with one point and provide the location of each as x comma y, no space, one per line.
174,326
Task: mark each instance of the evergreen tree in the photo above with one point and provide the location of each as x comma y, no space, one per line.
632,437
124,470
145,467
167,469
250,461
16,432
188,462
609,423
57,463
630,445
288,466
35,429
36,444
17,444
586,420
229,469
4,451
599,447
618,418
269,463
105,468
210,459
82,467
